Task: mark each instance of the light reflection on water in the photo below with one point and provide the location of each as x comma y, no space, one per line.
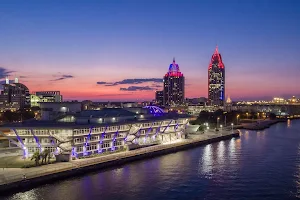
206,164
297,175
258,165
234,146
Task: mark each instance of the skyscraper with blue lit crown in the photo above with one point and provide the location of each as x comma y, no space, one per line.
173,86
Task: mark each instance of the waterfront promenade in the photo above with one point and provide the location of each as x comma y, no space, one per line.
9,176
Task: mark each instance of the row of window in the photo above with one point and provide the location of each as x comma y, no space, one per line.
100,129
95,146
41,140
120,135
91,147
36,132
33,149
36,149
51,149
95,138
160,129
118,143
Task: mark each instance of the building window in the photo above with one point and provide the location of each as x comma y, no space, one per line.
79,148
107,136
105,145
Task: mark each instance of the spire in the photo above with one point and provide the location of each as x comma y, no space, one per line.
173,59
228,100
216,50
6,80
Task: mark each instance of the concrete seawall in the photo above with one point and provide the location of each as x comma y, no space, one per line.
92,164
261,125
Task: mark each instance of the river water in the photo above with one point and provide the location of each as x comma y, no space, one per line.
258,165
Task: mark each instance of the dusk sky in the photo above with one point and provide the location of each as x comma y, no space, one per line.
88,49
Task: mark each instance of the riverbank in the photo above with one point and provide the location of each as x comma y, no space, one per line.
13,179
261,125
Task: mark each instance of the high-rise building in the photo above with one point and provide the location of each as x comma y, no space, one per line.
173,86
216,80
159,97
14,96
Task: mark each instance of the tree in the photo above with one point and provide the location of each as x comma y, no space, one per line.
45,155
25,114
203,117
36,157
49,156
218,113
272,116
10,116
201,128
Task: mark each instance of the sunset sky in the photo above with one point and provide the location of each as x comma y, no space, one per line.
120,50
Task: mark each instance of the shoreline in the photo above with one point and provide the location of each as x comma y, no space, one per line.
59,171
260,125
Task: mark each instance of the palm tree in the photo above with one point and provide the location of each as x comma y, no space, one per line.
49,156
45,154
42,156
36,157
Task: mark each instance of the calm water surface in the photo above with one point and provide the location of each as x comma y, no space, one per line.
258,165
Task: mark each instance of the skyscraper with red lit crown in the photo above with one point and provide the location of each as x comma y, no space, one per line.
216,80
173,86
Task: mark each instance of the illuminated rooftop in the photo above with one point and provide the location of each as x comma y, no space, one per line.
174,70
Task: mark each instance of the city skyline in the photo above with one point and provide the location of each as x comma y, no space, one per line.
118,51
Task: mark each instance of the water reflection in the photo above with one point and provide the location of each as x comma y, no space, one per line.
221,152
289,123
246,135
234,144
260,135
206,164
297,176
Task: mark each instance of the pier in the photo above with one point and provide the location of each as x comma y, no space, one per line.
17,178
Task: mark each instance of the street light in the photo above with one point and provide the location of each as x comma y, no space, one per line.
232,127
247,115
221,126
237,119
225,120
218,121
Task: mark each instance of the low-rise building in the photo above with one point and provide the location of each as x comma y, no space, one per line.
53,110
195,110
96,132
159,98
45,96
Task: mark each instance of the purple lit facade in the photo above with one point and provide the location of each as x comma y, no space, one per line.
95,134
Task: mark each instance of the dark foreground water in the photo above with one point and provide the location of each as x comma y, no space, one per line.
258,165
